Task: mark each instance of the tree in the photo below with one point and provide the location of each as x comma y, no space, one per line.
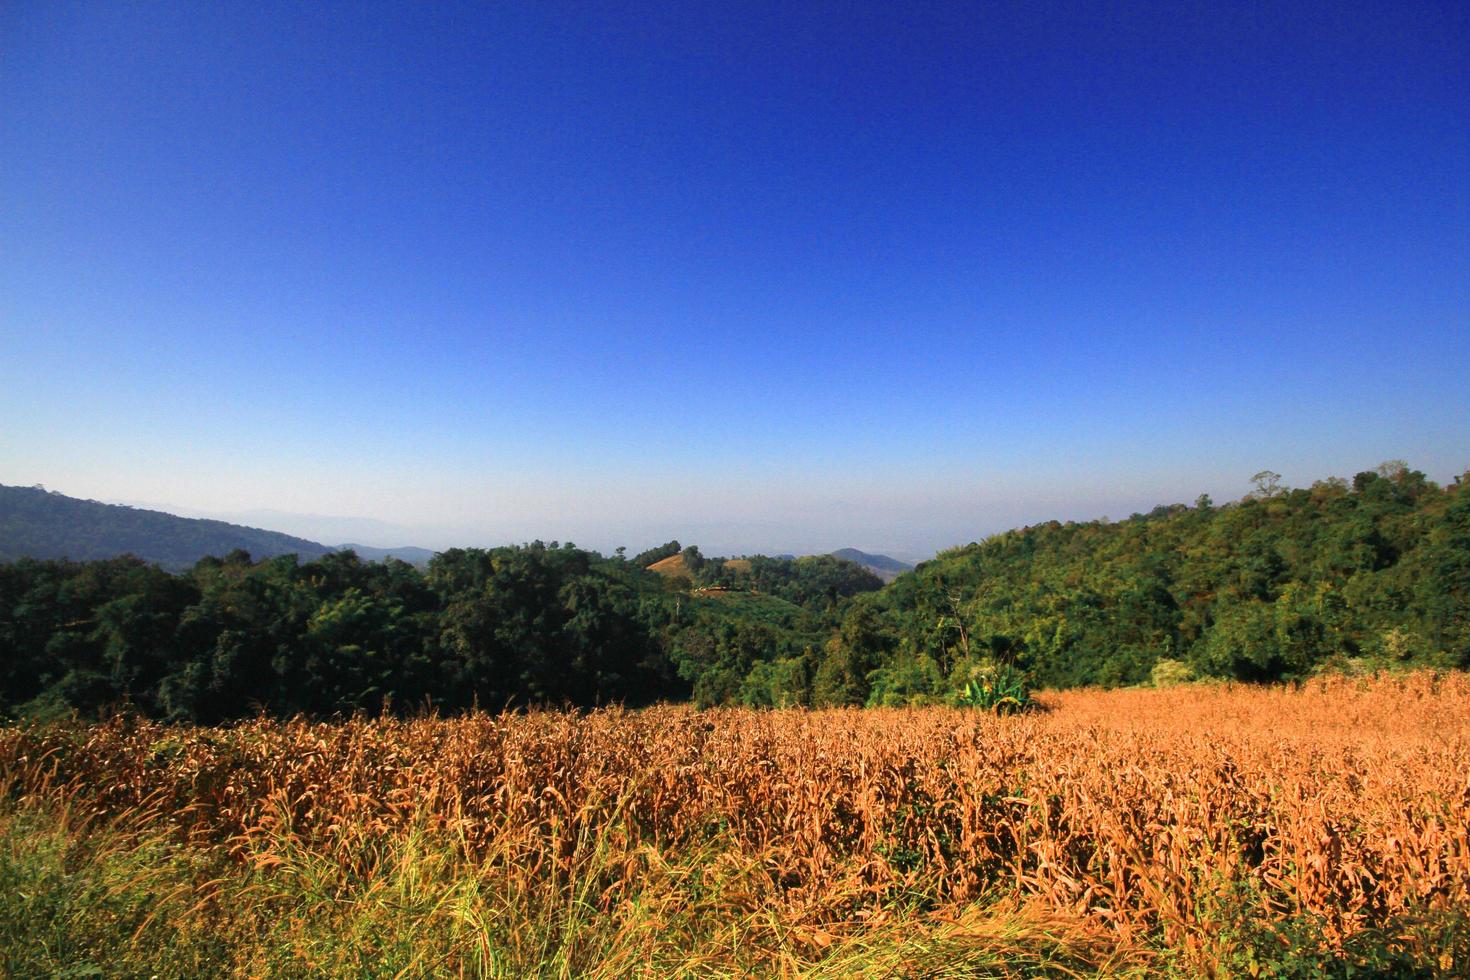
1267,484
653,555
853,654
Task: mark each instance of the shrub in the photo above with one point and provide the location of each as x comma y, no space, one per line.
1168,673
1001,689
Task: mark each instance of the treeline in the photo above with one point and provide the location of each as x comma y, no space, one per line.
1274,586
535,624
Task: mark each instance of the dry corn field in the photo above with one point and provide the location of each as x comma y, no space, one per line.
1123,825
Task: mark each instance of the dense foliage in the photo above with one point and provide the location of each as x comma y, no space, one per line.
1283,582
821,580
545,624
1276,585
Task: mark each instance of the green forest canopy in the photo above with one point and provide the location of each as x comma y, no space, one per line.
1283,582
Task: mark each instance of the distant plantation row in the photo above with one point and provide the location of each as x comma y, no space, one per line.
1342,575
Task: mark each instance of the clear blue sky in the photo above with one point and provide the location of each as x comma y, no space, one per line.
781,277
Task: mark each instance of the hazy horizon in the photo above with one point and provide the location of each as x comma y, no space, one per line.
796,535
762,279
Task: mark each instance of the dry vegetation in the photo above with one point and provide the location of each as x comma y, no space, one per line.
1197,829
672,567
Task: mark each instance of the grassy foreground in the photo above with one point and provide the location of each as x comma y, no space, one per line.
1194,831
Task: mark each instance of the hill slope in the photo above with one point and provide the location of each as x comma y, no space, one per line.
1371,571
36,523
673,566
882,566
414,556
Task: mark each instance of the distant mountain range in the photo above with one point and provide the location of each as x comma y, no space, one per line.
882,566
37,523
414,556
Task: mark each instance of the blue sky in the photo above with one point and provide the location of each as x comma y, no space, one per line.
781,277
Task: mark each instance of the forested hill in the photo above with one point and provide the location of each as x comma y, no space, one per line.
1368,572
35,523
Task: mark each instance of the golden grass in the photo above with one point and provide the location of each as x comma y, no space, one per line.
1122,821
673,566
